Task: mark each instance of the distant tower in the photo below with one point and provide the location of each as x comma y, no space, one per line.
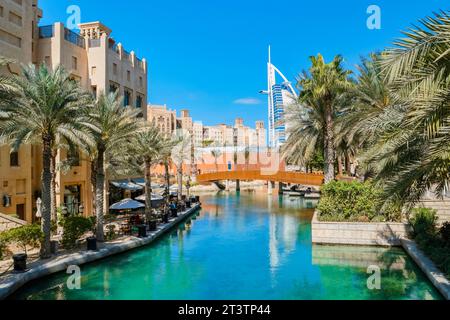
279,96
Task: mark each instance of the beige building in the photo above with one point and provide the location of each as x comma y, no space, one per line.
162,117
185,121
97,62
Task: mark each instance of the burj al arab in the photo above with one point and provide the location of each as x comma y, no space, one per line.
280,95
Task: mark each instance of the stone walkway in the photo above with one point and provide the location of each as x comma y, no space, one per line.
10,282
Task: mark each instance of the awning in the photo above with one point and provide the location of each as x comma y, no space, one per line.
155,197
141,182
127,185
127,204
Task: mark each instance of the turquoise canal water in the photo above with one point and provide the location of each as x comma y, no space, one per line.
244,246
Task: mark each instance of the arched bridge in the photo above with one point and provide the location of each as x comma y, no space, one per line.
306,179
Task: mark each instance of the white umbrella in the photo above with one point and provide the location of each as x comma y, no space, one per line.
127,204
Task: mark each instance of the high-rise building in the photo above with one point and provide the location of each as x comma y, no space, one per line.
280,95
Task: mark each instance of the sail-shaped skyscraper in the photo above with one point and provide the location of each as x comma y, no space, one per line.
280,95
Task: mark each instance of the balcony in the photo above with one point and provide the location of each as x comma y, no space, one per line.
94,43
74,38
46,32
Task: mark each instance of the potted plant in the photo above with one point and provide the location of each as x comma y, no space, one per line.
24,237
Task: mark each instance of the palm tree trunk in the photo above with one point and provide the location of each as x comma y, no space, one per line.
167,176
148,189
99,192
329,146
46,195
348,165
93,182
340,166
180,180
53,185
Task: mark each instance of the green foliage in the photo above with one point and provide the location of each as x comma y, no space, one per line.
433,241
423,221
75,227
111,233
355,201
3,245
26,236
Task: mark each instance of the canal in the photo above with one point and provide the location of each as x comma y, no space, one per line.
243,246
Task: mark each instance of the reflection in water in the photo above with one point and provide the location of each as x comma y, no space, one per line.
245,246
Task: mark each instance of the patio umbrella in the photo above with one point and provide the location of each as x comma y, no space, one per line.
127,204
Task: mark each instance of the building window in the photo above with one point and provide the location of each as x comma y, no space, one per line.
113,87
138,102
93,71
14,159
141,81
74,63
1,11
115,69
127,98
48,61
16,19
94,91
129,75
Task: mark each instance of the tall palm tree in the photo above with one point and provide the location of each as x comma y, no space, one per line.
411,154
146,148
181,153
111,125
165,158
321,90
48,106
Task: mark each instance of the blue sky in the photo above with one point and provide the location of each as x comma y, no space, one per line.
207,55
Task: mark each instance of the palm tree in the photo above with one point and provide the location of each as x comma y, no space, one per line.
181,152
165,158
411,152
313,117
111,125
48,106
146,148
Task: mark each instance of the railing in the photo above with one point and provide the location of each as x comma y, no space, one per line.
126,55
140,63
309,179
46,32
114,47
74,38
94,43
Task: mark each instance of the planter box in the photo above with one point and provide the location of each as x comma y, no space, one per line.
353,233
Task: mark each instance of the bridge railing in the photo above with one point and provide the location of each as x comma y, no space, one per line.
280,176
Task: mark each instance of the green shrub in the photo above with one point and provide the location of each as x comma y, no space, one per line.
75,227
423,221
3,246
355,201
433,241
26,236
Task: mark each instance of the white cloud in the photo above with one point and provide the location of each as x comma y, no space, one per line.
247,101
